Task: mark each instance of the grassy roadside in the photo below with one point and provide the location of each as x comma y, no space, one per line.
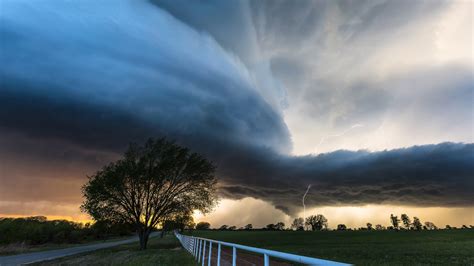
15,249
165,251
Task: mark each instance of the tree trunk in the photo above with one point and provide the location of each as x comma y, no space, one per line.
143,235
147,235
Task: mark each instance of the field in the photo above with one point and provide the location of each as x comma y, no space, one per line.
166,251
441,247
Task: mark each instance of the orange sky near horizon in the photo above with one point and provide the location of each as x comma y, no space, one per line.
260,213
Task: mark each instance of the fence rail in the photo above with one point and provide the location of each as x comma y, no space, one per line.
197,247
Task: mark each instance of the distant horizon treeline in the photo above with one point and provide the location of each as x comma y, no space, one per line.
319,223
37,230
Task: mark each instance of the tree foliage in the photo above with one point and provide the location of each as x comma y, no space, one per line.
341,227
150,184
38,230
417,224
317,222
369,226
406,221
180,221
394,221
270,227
203,226
224,227
379,227
430,226
280,226
298,224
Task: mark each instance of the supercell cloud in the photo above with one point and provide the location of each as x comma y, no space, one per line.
253,85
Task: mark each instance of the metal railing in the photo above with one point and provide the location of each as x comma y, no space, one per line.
197,247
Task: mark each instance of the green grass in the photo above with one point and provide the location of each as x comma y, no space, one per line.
165,251
442,247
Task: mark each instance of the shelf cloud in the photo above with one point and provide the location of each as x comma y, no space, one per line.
80,80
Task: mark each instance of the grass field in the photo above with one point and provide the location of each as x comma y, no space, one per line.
166,251
441,247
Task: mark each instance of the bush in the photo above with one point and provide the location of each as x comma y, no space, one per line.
38,230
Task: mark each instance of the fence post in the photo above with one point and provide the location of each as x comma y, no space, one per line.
204,252
219,254
210,253
196,244
234,256
200,248
266,260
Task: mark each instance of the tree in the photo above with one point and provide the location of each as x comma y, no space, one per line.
317,222
150,184
341,227
369,226
248,227
203,226
181,221
379,227
298,224
417,224
224,227
270,227
233,227
280,226
406,221
395,221
430,226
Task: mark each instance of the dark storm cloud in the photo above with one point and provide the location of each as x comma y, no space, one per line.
98,84
136,87
429,175
88,79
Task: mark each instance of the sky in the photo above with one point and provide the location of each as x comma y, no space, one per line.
369,102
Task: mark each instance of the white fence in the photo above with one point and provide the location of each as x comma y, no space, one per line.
197,247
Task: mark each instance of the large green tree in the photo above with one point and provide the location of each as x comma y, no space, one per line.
317,222
150,184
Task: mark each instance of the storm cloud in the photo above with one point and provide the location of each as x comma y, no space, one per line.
429,175
80,80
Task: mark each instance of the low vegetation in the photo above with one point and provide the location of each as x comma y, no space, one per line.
19,235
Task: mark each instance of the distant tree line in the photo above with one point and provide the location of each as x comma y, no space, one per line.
38,230
319,222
